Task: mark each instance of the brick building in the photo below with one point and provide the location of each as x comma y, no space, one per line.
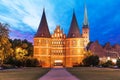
59,48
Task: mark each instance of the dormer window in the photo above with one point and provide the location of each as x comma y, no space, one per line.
42,34
73,35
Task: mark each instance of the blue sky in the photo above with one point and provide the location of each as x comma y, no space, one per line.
24,16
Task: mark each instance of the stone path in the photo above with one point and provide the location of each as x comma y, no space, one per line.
58,74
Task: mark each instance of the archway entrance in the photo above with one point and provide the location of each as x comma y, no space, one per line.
58,63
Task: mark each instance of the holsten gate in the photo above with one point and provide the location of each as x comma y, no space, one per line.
59,48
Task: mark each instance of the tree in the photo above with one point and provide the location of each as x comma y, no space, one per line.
87,53
92,60
20,53
16,43
28,46
5,45
118,63
23,46
88,45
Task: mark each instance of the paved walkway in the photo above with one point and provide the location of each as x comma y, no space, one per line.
58,74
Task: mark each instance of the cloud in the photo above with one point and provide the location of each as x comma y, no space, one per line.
24,17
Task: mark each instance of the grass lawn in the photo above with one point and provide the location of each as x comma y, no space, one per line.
22,74
89,73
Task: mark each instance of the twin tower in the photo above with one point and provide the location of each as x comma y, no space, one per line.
58,48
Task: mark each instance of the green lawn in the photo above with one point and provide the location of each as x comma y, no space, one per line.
85,73
22,74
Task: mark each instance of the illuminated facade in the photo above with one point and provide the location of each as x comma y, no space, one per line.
59,48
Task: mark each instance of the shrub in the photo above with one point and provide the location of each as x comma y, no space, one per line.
13,61
31,62
109,63
10,60
118,63
18,63
91,60
7,66
22,62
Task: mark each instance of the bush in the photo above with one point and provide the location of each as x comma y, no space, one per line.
31,62
92,60
109,63
13,61
19,63
10,60
23,62
7,66
118,63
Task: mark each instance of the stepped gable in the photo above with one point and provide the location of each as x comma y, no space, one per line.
116,46
43,30
116,49
108,46
74,31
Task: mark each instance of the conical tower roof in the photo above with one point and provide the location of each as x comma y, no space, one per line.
85,22
85,17
74,31
43,30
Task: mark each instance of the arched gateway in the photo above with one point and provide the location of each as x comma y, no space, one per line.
58,63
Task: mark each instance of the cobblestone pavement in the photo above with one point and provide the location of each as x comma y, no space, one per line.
58,74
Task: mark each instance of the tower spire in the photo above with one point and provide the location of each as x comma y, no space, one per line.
85,16
85,28
43,30
74,29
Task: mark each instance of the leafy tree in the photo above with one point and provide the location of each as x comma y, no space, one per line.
14,52
88,45
28,46
91,60
10,60
5,45
16,43
87,53
20,53
25,47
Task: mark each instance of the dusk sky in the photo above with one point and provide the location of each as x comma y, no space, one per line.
24,16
